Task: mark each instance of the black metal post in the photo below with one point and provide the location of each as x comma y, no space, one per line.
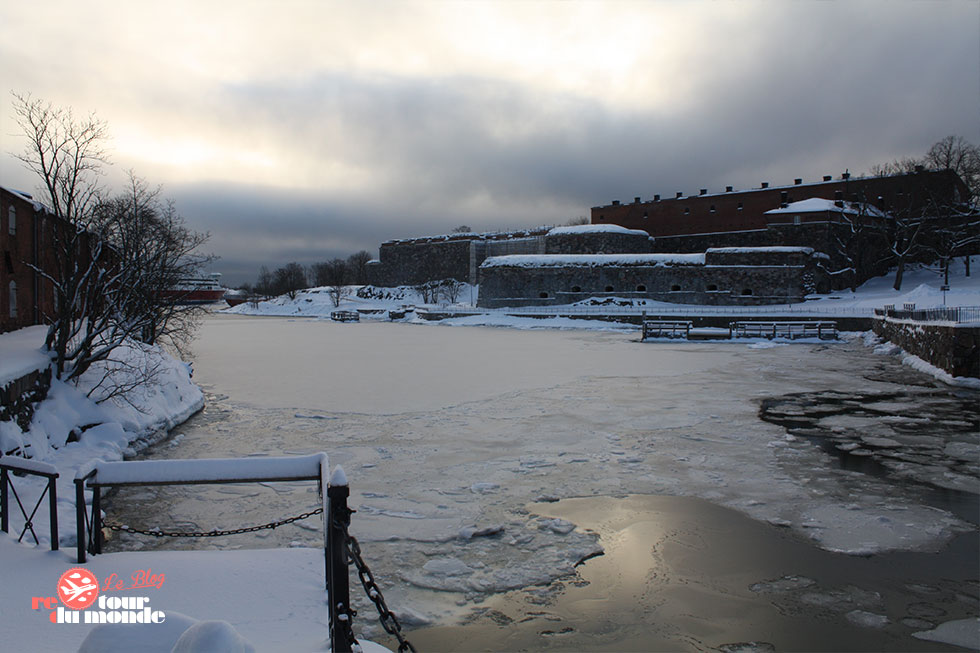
96,519
53,504
80,518
338,576
4,498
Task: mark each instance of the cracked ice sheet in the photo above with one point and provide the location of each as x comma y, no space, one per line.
625,418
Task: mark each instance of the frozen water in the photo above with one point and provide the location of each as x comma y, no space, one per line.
447,432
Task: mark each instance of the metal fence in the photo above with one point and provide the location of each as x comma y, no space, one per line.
958,314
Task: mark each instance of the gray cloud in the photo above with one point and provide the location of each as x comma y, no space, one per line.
765,92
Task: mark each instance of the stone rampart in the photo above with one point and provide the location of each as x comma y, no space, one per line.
523,284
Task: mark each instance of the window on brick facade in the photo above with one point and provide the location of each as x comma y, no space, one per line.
797,219
712,209
687,210
12,220
12,297
740,206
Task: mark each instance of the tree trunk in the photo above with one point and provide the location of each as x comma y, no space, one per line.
899,274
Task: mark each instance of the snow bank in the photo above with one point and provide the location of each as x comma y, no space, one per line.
69,429
21,353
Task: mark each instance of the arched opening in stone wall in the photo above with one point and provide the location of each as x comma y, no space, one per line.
675,288
746,292
609,288
543,295
576,288
641,288
712,287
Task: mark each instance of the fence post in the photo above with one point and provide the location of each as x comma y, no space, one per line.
4,498
338,576
80,518
96,519
53,507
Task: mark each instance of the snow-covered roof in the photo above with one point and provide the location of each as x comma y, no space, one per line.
820,205
27,197
590,260
761,250
595,229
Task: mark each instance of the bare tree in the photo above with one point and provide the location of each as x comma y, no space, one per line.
335,275
289,280
576,221
115,262
67,156
462,229
450,289
959,155
357,267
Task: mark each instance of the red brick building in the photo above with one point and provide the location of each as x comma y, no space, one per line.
745,210
26,298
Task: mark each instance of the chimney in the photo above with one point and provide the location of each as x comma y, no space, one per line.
704,191
765,184
728,189
797,181
656,198
680,194
636,200
615,202
846,175
827,177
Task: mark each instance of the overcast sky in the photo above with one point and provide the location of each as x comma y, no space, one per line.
307,130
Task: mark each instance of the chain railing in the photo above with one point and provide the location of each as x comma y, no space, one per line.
340,548
387,618
157,532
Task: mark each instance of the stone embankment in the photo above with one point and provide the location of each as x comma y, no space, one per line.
943,338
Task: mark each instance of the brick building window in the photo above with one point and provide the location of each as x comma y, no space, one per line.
12,220
740,206
12,292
